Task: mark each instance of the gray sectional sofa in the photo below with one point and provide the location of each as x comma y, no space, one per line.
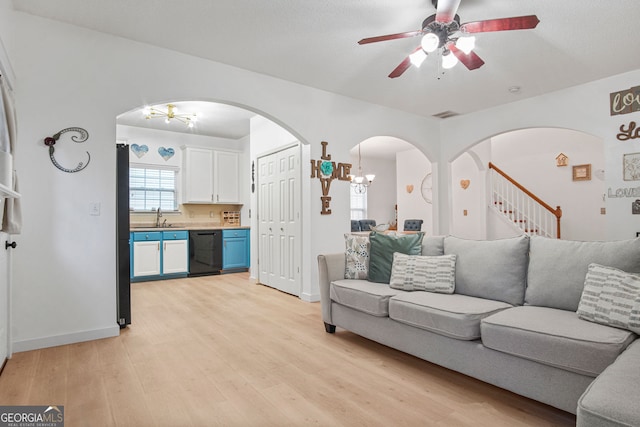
515,319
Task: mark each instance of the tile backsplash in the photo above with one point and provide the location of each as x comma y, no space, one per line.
188,215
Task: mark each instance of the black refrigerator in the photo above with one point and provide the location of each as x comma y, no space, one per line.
123,281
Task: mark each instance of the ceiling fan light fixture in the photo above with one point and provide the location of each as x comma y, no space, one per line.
430,42
448,60
466,44
418,57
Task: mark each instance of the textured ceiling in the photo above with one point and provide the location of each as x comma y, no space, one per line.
315,43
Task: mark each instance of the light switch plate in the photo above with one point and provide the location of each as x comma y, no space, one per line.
94,208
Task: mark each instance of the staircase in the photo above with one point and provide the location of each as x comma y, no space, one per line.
522,208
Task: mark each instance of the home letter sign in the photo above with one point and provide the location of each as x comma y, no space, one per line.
326,171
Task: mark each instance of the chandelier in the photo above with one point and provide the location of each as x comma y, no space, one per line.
172,113
360,182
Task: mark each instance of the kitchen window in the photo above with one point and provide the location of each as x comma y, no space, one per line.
151,187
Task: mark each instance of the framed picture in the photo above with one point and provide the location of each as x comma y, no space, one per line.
631,167
582,172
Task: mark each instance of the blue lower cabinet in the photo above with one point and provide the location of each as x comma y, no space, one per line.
159,255
235,250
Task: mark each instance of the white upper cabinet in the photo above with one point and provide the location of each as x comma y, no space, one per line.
226,177
210,176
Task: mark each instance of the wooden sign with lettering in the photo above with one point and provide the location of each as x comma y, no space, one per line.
625,101
326,170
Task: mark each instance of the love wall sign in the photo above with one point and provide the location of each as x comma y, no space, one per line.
326,171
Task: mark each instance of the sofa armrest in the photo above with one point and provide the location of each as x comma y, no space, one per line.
330,267
612,398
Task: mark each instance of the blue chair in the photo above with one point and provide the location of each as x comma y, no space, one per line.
366,224
413,224
355,225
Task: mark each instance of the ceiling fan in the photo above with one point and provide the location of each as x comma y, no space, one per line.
443,31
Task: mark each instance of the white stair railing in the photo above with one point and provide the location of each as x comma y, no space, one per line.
521,207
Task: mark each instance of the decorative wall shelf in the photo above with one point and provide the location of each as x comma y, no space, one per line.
6,192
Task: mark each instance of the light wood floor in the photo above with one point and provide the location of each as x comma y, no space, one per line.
222,350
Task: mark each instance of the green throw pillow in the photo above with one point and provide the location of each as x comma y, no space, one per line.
381,249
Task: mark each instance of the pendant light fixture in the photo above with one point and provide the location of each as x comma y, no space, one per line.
360,182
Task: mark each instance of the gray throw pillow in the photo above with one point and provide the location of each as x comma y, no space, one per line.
423,273
381,250
611,297
491,269
356,256
557,268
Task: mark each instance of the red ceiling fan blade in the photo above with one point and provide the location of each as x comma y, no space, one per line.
470,60
446,10
503,24
404,66
391,37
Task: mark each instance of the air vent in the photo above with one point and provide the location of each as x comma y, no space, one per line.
445,114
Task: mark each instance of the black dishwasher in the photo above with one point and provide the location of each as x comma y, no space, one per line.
205,252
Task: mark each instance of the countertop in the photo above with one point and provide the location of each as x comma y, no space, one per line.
188,228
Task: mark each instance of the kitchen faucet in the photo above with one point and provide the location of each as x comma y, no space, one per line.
158,216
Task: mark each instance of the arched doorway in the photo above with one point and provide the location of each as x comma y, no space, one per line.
530,156
402,187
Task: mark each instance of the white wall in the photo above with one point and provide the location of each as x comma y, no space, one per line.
381,194
469,209
412,167
77,77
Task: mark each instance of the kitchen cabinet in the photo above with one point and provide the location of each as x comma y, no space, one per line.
235,250
159,254
210,176
175,252
146,254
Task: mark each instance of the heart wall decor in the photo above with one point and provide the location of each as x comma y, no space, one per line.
166,153
139,150
409,188
464,183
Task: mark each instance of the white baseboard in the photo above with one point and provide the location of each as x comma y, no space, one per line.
310,297
56,340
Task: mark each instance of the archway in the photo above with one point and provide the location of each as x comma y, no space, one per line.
230,132
529,157
402,186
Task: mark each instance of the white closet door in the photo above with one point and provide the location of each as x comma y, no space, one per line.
279,220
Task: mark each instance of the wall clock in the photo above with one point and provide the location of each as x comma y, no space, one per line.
426,188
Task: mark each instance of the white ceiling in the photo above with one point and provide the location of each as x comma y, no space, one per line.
213,119
315,43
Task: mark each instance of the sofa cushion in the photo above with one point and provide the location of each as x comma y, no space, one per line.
423,273
491,269
368,297
356,256
612,398
554,337
382,248
611,297
455,316
433,245
557,268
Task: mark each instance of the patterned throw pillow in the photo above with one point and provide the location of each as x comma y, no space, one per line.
424,273
611,297
357,256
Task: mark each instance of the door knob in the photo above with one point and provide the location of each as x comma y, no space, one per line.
8,245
